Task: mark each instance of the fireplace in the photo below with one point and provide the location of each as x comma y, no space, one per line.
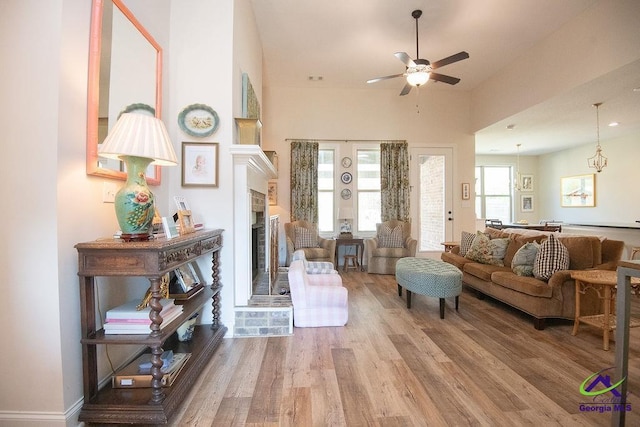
258,237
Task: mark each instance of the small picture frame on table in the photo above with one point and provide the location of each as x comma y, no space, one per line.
199,164
169,227
185,219
187,277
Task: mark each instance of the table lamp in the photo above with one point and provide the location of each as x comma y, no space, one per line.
138,140
346,214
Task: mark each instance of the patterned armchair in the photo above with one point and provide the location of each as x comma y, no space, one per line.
303,235
317,304
393,241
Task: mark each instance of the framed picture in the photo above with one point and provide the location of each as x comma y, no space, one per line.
199,164
272,193
169,227
181,204
526,182
187,276
578,191
466,191
198,120
526,203
185,219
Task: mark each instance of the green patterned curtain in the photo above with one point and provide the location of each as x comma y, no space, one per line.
394,176
304,181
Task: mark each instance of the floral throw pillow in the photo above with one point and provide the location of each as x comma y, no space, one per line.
480,249
305,238
390,238
552,256
525,257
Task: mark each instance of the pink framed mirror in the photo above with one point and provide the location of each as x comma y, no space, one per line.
125,75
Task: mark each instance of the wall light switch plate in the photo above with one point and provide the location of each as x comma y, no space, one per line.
109,190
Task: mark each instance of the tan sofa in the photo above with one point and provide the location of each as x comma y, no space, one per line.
540,299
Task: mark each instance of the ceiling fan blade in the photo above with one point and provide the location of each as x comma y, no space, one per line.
443,78
378,79
449,60
406,89
405,58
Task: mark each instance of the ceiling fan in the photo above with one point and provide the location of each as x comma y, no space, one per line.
420,71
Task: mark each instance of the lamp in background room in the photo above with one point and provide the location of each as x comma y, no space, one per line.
138,140
598,161
345,214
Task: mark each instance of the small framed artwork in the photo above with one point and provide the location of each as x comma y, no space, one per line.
578,191
526,203
185,219
272,193
199,164
187,277
526,182
169,227
466,191
181,203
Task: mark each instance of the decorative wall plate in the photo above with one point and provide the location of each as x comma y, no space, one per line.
198,120
346,178
346,162
345,194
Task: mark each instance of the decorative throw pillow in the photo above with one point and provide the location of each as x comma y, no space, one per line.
480,249
524,258
305,238
498,250
465,242
552,256
390,238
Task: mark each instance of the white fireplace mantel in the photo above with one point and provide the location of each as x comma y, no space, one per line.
252,170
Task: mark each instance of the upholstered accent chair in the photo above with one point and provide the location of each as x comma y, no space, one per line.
320,303
303,235
393,241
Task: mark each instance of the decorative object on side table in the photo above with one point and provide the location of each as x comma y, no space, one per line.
198,120
346,214
138,140
185,331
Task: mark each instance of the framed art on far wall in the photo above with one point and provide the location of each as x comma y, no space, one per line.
466,191
526,182
526,203
272,193
199,164
578,191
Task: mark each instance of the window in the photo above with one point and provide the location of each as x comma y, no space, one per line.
493,192
326,190
368,188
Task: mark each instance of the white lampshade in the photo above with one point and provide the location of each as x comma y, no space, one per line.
345,213
139,135
417,78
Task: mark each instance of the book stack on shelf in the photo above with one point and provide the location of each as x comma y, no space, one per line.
137,374
127,319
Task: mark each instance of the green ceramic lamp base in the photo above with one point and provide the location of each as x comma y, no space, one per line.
134,202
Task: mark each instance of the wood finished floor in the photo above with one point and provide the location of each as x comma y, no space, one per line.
484,365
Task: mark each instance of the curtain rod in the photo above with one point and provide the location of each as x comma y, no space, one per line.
343,140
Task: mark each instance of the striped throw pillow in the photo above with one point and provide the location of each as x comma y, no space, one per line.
465,242
390,238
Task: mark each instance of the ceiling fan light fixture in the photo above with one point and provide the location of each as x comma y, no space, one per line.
417,78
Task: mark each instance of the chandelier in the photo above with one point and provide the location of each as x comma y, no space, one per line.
598,161
518,184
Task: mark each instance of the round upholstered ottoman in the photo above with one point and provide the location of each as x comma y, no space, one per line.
430,277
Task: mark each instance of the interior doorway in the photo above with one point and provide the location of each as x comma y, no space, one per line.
432,200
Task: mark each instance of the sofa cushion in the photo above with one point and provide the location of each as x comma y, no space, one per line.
390,238
305,238
551,257
526,285
482,271
494,233
454,259
584,251
465,242
523,260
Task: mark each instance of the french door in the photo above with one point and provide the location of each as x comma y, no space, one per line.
431,198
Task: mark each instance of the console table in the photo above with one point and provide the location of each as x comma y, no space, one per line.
151,259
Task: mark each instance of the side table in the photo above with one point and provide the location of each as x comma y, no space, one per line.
356,242
449,245
604,283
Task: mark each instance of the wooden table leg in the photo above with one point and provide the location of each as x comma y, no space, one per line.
607,313
576,321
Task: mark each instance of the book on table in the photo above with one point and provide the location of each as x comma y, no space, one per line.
129,311
126,319
131,376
